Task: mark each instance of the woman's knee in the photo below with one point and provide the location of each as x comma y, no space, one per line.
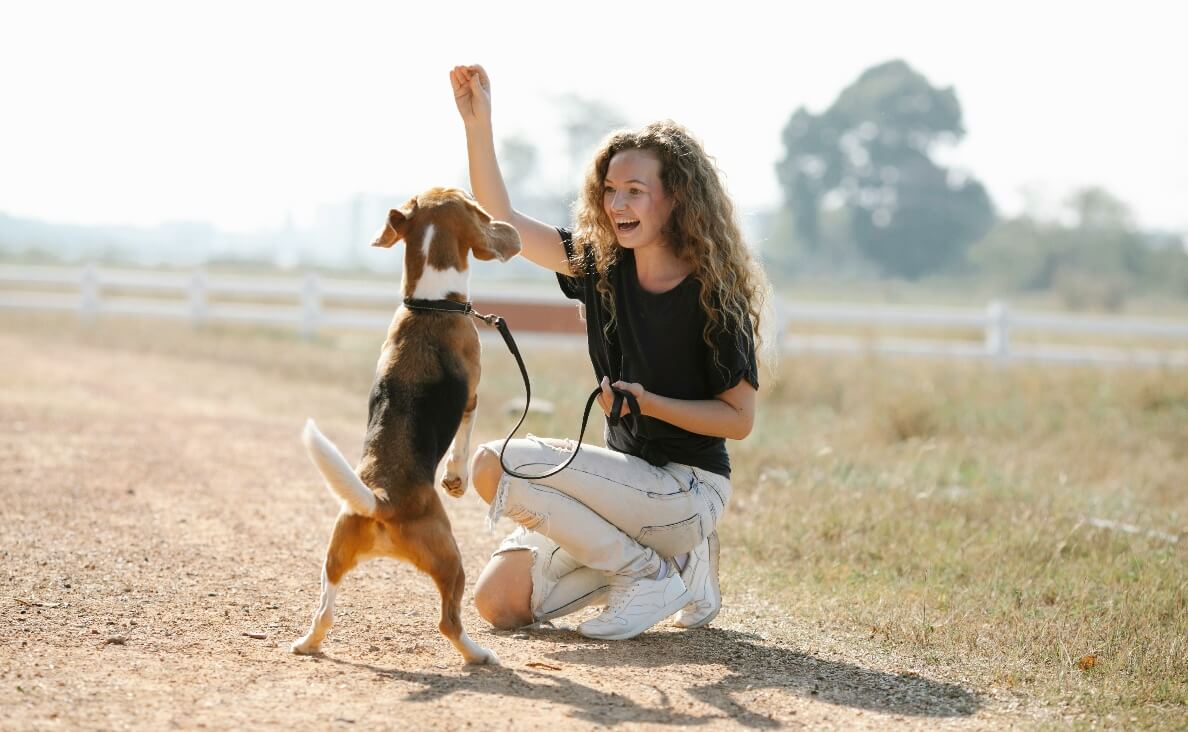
485,471
503,593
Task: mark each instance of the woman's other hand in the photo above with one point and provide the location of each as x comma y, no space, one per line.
472,94
607,398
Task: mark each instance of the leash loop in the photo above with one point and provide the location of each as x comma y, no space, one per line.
497,322
501,324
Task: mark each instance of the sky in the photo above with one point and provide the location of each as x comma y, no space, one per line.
250,114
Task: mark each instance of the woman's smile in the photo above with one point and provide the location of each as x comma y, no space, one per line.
634,199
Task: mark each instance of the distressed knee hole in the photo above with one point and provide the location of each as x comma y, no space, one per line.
564,446
524,517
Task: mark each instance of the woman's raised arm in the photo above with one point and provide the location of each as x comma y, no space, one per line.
472,94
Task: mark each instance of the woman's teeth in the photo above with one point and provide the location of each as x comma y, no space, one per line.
627,225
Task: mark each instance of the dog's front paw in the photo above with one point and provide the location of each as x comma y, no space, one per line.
455,485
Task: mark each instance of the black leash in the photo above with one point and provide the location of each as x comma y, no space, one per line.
466,308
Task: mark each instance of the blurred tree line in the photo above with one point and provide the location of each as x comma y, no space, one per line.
1093,256
864,196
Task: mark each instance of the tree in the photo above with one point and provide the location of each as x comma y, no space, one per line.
1092,256
871,153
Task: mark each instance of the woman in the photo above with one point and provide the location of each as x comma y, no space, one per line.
670,294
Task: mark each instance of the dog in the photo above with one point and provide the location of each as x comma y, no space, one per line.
422,402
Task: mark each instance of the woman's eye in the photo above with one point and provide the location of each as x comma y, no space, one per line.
635,191
608,190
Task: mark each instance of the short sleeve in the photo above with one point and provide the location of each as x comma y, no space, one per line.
735,346
571,286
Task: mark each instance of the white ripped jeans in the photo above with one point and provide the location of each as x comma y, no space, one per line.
610,511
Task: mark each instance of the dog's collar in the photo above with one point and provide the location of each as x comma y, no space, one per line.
441,306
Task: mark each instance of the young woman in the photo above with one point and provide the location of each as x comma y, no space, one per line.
672,300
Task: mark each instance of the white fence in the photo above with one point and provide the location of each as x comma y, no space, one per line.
312,303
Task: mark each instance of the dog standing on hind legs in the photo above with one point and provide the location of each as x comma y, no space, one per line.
421,406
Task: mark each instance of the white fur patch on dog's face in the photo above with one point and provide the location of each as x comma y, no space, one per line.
435,284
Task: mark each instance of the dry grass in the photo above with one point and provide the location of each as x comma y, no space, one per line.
945,510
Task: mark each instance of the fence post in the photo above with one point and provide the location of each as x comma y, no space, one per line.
88,306
311,305
198,308
998,331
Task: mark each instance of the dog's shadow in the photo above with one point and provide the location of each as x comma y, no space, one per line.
751,666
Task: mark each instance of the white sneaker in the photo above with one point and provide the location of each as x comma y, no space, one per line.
701,577
636,605
581,587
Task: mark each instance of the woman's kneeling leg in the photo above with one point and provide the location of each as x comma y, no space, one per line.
503,592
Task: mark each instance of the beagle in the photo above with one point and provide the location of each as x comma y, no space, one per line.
421,408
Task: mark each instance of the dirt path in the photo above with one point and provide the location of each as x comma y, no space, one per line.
155,509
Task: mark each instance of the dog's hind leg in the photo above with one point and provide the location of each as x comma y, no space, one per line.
323,618
351,533
455,477
437,555
451,585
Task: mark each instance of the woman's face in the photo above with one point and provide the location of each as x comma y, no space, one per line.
634,199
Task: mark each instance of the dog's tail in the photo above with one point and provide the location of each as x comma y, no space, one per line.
340,478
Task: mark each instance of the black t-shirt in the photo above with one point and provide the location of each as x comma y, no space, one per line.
659,345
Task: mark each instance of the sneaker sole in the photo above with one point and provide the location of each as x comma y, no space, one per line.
704,621
669,609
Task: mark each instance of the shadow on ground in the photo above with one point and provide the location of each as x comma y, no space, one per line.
751,666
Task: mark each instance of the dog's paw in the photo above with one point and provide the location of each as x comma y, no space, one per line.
454,485
302,647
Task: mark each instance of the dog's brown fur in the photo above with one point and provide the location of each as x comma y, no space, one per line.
422,402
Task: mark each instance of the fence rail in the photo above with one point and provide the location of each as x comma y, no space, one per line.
312,303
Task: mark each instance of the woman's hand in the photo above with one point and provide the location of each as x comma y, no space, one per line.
730,414
607,397
472,94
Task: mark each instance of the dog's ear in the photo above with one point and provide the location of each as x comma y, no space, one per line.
396,226
501,241
497,240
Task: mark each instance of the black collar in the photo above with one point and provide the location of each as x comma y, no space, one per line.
441,306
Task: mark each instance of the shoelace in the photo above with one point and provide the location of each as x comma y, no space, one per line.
620,595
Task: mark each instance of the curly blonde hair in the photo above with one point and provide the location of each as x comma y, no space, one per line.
702,229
